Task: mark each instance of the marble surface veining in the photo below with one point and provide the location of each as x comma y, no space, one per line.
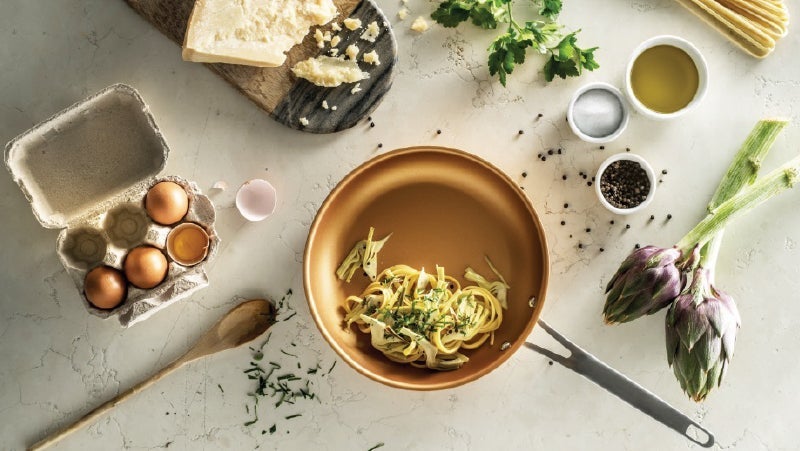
57,361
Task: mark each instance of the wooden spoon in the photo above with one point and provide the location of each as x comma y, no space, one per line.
242,324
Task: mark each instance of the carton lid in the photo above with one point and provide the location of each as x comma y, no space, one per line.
70,164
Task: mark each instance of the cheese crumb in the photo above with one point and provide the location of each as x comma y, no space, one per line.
351,51
303,121
336,27
334,52
320,38
352,24
371,58
335,41
334,107
329,72
420,25
371,32
403,13
356,88
325,104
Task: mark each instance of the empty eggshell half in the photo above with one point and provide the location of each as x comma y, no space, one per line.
256,199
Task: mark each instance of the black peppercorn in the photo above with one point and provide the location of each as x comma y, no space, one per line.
566,205
438,132
563,222
521,132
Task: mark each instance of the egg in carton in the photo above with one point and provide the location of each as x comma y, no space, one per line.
87,170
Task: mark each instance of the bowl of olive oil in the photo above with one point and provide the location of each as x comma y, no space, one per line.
666,77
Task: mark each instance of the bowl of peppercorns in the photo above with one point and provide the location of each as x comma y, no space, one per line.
625,183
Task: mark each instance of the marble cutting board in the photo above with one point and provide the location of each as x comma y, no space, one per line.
276,90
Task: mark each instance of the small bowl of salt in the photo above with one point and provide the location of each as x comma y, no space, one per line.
597,113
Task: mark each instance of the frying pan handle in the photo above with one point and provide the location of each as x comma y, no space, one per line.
620,385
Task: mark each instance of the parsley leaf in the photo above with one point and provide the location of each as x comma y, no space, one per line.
567,59
550,9
505,52
483,13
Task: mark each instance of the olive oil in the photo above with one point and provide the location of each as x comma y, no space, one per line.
664,78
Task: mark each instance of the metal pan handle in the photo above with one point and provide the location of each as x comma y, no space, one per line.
629,391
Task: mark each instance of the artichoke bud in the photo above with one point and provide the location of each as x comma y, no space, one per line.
701,327
647,281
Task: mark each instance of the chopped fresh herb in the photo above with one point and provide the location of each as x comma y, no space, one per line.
220,388
508,49
376,446
258,355
284,352
293,416
273,428
332,366
290,316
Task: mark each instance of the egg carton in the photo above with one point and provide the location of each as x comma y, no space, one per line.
86,170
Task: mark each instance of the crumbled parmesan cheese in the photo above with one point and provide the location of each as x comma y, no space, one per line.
403,13
334,52
420,25
336,27
356,88
371,32
325,104
320,38
333,108
335,41
352,24
303,121
371,58
351,51
329,72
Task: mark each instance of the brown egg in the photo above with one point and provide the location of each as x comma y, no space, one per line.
166,203
105,287
145,267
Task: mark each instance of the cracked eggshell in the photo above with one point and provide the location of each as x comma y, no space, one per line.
256,199
87,170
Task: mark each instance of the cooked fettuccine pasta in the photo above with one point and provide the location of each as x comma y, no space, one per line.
424,319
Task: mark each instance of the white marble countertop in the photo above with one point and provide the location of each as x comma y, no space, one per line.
58,362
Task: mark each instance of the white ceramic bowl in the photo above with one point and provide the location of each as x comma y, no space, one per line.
697,58
650,176
598,139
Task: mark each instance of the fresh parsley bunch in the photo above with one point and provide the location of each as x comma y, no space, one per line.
565,59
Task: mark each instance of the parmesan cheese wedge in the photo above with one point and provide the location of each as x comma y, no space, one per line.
251,32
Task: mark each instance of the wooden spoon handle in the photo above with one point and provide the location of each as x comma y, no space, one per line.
102,409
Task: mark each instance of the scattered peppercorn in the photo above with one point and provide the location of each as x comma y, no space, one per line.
524,174
602,147
588,230
438,132
550,152
602,250
564,177
521,132
369,118
380,145
588,183
627,226
580,245
541,115
612,222
539,156
669,216
559,151
544,158
627,149
664,172
636,246
563,222
566,205
652,217
371,124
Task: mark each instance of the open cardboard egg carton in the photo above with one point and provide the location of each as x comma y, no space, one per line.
87,170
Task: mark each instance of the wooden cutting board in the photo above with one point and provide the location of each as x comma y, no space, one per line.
276,90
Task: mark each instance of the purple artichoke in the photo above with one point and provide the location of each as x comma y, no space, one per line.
701,330
647,281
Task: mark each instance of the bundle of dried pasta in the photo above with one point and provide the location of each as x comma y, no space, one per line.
754,25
